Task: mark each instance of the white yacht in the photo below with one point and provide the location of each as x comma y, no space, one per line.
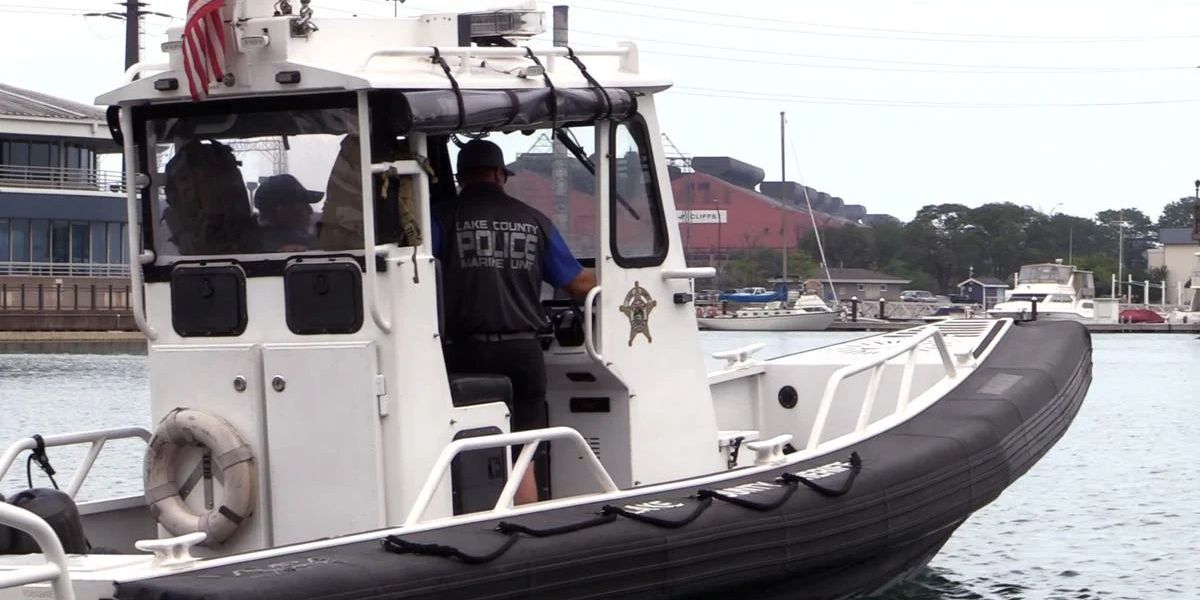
308,441
1059,292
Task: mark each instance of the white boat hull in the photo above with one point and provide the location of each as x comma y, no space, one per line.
814,321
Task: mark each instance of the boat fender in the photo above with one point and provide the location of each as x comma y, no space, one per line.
184,427
855,468
59,511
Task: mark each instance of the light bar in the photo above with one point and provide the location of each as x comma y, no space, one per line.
505,23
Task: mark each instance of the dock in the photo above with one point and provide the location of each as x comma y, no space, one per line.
1091,327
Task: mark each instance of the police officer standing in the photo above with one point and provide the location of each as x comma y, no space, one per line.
496,251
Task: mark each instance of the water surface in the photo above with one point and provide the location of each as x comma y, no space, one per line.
1112,512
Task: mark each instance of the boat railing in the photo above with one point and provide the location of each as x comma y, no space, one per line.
627,53
97,439
54,571
876,365
531,440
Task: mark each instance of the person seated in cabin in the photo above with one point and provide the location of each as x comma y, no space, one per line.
496,251
285,214
341,226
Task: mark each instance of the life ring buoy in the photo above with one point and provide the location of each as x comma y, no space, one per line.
184,427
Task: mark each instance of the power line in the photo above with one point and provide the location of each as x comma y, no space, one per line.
848,101
969,68
998,36
769,28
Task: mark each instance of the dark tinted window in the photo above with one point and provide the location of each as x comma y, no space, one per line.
115,243
39,240
80,249
98,248
639,237
4,243
60,241
20,240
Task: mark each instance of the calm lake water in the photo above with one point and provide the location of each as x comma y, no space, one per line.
1112,512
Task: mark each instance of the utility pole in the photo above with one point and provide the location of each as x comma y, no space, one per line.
133,13
783,188
133,24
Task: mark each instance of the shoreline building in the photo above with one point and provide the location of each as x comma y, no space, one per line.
63,255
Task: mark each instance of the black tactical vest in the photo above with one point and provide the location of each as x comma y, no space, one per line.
491,251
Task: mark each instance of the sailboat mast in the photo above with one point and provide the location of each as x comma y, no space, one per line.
784,187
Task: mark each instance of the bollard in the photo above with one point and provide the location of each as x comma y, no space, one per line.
854,309
1033,311
883,308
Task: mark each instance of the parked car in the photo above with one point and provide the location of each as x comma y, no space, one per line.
917,296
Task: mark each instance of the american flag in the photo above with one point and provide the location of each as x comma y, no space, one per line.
203,45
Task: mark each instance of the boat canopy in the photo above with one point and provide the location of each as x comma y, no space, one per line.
1060,274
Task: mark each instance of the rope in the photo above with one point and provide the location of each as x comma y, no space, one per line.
855,468
39,454
511,528
438,59
592,80
550,84
750,504
396,545
656,521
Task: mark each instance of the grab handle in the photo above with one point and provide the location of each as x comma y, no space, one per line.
589,334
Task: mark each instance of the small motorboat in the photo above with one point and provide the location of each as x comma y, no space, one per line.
754,295
309,442
808,313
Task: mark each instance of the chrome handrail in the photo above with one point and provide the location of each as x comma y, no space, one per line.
877,363
55,569
589,330
531,439
97,440
133,231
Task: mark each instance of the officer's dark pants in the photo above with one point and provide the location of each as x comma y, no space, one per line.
519,360
522,362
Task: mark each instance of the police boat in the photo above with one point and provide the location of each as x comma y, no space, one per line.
308,441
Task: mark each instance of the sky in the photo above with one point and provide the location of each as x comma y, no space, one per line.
1070,106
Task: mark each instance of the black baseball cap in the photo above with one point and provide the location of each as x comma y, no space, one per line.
284,189
481,154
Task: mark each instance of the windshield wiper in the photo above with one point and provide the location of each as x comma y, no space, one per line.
573,147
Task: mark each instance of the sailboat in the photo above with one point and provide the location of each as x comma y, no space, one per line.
807,313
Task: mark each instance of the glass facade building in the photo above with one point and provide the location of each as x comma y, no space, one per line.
60,213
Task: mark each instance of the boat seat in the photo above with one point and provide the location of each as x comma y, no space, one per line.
470,389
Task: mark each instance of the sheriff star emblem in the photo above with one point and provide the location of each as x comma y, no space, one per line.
637,307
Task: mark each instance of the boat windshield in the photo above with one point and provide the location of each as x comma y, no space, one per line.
1059,274
1026,297
257,182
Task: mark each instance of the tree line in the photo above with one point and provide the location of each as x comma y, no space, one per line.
945,243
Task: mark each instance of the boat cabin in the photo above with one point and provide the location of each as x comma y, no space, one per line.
286,278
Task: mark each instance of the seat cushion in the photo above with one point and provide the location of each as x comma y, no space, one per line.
469,389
